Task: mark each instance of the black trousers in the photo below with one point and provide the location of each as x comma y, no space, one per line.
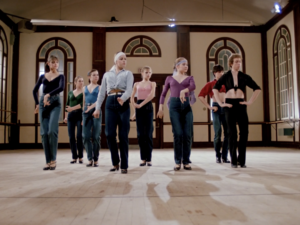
144,126
237,114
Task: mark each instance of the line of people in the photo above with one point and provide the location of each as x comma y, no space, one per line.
83,110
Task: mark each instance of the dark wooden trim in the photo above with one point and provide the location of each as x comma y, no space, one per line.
142,29
227,29
3,17
283,144
297,50
51,29
285,11
141,37
266,128
183,43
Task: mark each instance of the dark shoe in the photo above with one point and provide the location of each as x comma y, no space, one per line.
233,166
73,161
143,163
80,161
96,164
238,163
90,164
123,170
225,161
187,167
244,166
53,165
47,167
116,167
177,167
149,163
218,160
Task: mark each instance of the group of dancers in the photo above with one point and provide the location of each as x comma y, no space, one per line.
83,110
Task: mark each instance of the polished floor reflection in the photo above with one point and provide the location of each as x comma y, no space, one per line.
267,192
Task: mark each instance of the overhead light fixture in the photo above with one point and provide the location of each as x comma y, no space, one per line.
73,23
277,8
172,24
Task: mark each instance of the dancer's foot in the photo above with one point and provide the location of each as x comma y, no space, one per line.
80,161
52,165
218,160
187,167
143,163
225,161
177,167
149,163
73,161
96,164
116,167
47,167
90,164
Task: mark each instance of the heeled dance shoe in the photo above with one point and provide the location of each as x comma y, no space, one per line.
116,167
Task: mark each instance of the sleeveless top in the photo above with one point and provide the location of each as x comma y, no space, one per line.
91,97
143,92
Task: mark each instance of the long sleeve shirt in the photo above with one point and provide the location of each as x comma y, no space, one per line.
112,81
176,87
207,89
52,87
73,101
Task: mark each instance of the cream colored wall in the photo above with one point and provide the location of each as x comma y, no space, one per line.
288,21
166,41
7,31
29,44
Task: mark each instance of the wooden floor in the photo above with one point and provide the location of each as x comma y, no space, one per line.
267,192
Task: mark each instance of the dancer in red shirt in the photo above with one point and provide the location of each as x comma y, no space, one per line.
217,113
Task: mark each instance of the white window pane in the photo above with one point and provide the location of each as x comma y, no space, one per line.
4,67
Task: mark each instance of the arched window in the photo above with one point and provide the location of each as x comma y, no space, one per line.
283,73
3,74
218,53
66,54
141,46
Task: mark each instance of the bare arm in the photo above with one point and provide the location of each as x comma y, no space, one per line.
132,101
204,102
253,98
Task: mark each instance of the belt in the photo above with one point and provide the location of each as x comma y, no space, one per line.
115,93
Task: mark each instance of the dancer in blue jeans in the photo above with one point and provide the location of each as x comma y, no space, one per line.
49,108
117,84
73,117
91,126
181,114
217,113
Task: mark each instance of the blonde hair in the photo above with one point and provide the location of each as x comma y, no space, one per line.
146,68
232,57
177,61
50,58
77,78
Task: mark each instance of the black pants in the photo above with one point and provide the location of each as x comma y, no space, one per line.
237,114
117,116
144,126
74,119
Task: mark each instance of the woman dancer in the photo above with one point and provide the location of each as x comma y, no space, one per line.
49,108
180,110
217,113
235,107
73,117
117,83
144,114
91,127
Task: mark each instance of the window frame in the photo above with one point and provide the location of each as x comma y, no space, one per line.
3,110
278,36
66,61
141,44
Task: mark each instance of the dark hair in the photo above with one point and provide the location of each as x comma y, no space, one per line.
217,68
91,71
50,58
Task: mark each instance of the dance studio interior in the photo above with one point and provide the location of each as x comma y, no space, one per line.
83,35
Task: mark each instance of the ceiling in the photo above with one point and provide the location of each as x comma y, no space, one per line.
257,11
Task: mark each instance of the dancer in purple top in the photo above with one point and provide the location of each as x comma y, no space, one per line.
180,110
